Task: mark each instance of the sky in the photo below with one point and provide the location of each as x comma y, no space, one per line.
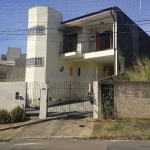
14,16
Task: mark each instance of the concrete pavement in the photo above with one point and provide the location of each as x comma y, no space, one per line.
76,129
48,128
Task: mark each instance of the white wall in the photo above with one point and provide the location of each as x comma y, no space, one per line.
37,44
7,94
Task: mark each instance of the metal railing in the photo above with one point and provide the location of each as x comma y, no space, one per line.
80,47
70,46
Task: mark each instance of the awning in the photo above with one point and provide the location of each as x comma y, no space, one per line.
69,29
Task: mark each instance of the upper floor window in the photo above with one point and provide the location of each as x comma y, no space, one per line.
38,30
35,61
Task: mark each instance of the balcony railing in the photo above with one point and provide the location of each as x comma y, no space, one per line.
70,46
83,47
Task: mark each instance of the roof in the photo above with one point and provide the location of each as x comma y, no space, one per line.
92,14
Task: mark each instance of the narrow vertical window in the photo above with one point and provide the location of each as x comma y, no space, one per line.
71,71
78,71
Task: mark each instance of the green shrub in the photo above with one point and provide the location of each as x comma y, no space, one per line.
16,114
138,72
4,116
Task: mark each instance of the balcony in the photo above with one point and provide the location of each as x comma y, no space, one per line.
100,46
70,49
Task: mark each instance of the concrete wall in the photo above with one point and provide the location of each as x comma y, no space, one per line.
37,44
13,53
46,46
131,99
54,63
15,72
7,94
129,32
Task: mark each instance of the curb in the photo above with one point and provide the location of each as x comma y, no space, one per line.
69,138
50,138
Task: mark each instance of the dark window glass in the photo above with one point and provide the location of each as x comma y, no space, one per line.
105,40
78,71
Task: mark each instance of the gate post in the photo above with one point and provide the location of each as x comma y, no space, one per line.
95,100
43,101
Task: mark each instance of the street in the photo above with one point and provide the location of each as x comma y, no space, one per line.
75,144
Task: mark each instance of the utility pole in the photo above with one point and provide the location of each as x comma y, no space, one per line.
140,4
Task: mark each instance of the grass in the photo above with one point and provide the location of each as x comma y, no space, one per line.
138,72
125,129
121,127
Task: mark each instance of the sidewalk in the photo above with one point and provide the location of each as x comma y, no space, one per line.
125,129
44,128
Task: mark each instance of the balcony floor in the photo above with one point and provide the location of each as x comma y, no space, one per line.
71,55
105,56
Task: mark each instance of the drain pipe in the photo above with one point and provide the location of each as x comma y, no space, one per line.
115,49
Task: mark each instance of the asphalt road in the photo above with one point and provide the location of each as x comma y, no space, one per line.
75,145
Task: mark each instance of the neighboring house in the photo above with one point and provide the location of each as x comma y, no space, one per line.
12,65
3,57
87,48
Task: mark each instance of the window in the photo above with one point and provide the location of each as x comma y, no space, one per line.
38,30
78,71
71,71
35,62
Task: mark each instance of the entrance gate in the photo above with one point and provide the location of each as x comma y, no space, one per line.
69,99
107,97
33,99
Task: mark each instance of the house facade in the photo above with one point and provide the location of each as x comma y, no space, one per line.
83,49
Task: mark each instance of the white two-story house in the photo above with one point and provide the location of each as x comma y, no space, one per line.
84,49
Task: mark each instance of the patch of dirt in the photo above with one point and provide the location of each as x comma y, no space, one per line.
144,125
97,129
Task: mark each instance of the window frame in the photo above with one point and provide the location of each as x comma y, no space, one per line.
33,30
31,62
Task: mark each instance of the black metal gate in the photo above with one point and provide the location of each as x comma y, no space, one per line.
33,99
107,96
69,99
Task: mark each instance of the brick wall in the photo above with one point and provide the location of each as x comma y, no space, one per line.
132,99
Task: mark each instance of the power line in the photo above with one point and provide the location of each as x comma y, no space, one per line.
60,37
8,30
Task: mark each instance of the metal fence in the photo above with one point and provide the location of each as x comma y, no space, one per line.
33,99
69,99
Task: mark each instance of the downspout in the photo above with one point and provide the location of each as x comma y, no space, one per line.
115,49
